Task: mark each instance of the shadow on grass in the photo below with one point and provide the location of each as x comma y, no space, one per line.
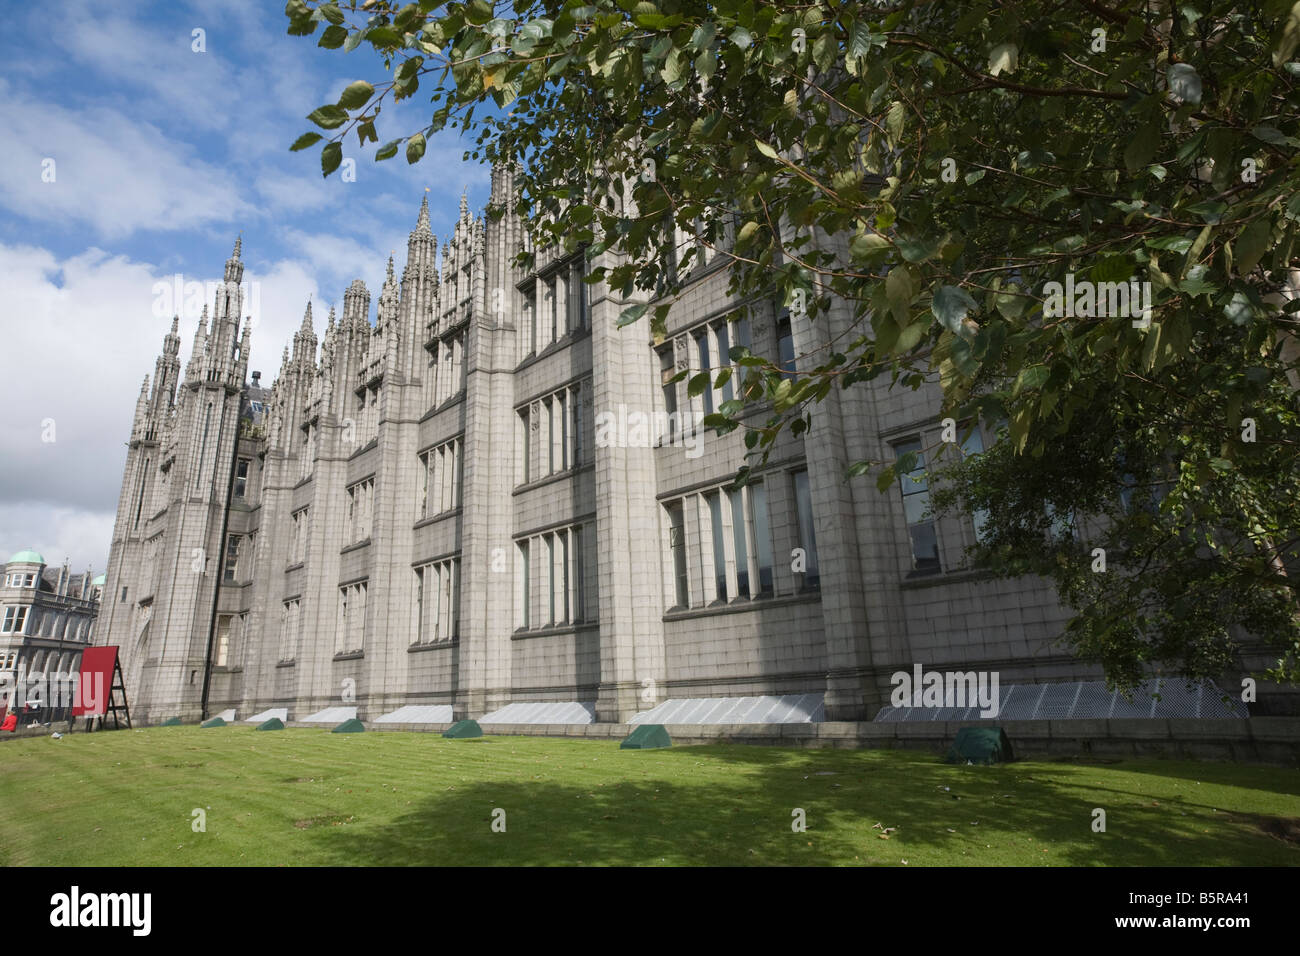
1008,814
1283,781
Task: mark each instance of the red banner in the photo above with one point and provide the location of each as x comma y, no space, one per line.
91,696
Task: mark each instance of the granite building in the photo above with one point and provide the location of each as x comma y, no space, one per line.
489,495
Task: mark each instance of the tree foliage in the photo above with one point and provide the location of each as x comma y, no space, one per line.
935,165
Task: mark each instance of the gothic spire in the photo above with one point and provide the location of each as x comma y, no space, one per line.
234,267
172,340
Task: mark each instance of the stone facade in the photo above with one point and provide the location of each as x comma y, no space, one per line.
460,504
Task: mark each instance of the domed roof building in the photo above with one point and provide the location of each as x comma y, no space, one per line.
47,617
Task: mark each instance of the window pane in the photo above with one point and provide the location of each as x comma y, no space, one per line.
666,373
785,347
719,545
677,541
762,536
738,536
723,361
807,538
915,507
702,347
925,547
973,444
742,333
525,597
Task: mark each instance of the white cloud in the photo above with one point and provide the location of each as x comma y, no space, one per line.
339,260
109,172
283,291
83,537
293,193
159,61
80,335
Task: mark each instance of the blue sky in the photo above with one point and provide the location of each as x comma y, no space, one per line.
160,156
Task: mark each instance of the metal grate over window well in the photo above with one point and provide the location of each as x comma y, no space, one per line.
543,712
281,712
790,709
1163,698
418,714
331,715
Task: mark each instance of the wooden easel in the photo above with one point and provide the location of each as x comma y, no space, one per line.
116,686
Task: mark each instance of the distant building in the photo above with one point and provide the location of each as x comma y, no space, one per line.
47,617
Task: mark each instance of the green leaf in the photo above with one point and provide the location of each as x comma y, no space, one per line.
329,116
864,246
894,121
1252,244
1288,37
388,150
1176,243
356,95
824,50
332,38
305,140
922,249
330,157
415,148
1113,269
1142,147
899,292
631,314
1031,377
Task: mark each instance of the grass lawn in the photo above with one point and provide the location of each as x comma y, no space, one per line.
308,797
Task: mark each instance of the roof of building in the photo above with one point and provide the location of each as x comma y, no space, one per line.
97,581
26,557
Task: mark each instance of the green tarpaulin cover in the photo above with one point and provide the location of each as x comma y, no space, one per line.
980,745
463,729
647,737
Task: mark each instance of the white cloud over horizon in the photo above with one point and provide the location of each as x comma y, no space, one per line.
87,331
